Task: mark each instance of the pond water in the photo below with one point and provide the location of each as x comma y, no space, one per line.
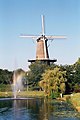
37,109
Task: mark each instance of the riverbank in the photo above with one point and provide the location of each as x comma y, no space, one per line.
75,100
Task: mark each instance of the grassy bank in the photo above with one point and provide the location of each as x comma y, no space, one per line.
75,100
23,94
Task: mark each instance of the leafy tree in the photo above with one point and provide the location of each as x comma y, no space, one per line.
53,81
5,76
73,77
70,77
34,74
76,79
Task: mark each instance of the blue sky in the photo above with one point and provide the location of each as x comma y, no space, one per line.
62,17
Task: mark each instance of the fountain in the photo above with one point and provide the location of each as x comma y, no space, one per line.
17,85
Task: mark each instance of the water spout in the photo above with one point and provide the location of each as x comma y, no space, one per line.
17,85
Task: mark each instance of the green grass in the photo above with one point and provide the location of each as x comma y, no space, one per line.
5,94
23,94
75,99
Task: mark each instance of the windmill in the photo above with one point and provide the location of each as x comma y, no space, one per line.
41,46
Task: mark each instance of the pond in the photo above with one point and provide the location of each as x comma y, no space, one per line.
37,109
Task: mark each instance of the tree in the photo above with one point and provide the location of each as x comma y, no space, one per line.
53,81
70,77
5,76
76,79
34,74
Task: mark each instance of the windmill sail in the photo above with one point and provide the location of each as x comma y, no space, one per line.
43,27
41,48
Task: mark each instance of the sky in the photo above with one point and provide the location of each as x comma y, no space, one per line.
62,17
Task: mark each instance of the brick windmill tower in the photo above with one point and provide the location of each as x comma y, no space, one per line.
41,45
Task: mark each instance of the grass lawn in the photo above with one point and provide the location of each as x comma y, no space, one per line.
75,100
23,94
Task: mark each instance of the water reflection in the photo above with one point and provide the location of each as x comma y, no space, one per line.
36,109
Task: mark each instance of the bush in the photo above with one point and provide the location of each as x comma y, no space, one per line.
4,87
54,95
77,88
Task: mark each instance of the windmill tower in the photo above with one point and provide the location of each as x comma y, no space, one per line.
41,46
